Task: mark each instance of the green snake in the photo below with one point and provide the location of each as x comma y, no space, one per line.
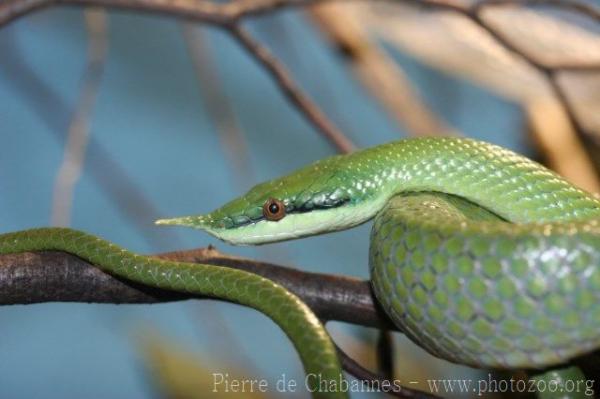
481,256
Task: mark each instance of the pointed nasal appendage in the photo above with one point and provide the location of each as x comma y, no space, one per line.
198,222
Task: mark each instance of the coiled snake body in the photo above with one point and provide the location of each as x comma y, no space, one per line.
480,255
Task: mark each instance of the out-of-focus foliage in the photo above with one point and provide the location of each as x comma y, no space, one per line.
456,45
179,374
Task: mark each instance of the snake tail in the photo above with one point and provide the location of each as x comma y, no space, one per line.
311,340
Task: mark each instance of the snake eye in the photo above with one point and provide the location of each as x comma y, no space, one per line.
273,209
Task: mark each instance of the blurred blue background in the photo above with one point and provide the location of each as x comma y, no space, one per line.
155,150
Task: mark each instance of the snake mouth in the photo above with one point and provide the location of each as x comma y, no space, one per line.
206,223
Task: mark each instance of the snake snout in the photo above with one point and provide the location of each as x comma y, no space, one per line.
197,222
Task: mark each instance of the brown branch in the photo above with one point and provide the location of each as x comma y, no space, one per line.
201,11
385,353
56,276
575,67
207,11
50,276
375,380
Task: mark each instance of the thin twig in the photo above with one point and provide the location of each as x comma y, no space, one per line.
228,16
373,380
567,5
218,104
79,130
561,96
290,90
385,354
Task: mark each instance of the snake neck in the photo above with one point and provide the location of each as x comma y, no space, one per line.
507,184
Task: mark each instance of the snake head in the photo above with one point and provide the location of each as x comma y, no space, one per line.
313,200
